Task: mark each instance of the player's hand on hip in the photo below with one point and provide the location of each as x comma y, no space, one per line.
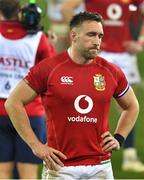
50,156
109,143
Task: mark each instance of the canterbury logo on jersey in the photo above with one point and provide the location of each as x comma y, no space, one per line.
66,80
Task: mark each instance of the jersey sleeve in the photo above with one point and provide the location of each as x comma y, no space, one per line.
38,76
122,84
45,49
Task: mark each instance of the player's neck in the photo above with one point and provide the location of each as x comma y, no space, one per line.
77,58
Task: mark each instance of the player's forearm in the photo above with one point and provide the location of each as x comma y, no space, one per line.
127,120
20,121
68,7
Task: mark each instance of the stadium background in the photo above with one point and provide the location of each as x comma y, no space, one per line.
139,142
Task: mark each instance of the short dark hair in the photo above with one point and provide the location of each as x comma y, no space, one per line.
9,8
81,17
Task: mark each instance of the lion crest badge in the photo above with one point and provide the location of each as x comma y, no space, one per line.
99,82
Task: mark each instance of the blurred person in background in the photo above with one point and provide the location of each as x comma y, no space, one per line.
58,25
119,48
19,51
135,22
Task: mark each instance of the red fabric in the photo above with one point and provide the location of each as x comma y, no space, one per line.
12,30
45,49
73,128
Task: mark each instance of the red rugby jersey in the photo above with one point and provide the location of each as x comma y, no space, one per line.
77,100
116,15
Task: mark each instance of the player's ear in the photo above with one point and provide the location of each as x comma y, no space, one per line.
73,35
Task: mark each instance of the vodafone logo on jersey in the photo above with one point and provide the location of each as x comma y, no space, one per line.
114,13
83,110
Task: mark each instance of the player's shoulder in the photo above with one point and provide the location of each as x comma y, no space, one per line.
103,63
56,60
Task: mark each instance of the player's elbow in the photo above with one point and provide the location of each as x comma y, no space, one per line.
9,104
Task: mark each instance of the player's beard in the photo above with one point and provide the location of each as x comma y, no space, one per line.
91,53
